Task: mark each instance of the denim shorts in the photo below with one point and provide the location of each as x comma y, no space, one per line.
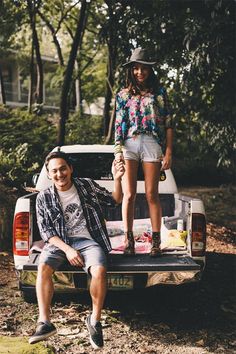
89,249
142,147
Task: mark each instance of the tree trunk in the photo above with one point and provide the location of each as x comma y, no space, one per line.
54,38
65,93
31,83
39,84
78,92
78,96
106,109
2,90
112,55
111,127
109,86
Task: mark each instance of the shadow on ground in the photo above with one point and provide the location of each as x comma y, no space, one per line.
207,304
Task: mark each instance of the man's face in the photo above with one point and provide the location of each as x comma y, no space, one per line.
60,173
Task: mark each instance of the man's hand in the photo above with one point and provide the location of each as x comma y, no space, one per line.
74,257
118,168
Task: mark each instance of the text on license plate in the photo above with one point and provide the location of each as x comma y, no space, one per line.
119,281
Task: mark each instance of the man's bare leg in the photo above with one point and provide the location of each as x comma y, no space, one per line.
98,289
44,291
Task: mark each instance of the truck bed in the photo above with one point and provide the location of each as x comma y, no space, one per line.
114,214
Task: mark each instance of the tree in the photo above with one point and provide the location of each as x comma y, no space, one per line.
10,22
32,10
205,87
2,89
194,43
65,94
59,17
113,33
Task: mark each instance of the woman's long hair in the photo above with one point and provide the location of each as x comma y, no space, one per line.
152,83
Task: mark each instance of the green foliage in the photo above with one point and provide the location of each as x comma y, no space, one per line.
193,41
11,16
84,130
203,93
25,139
93,83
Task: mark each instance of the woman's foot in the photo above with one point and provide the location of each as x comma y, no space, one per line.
129,243
156,243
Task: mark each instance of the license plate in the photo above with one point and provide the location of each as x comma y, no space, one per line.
119,281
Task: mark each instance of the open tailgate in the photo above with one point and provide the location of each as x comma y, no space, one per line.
139,263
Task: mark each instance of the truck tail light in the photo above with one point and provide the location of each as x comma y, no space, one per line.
198,234
21,234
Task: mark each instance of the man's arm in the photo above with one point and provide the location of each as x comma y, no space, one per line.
118,171
105,197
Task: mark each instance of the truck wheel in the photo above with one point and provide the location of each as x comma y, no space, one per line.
29,296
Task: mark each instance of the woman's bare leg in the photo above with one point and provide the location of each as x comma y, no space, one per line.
152,174
129,184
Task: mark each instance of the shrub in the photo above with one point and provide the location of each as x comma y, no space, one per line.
84,130
25,139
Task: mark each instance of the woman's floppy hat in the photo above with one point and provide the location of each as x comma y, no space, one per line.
140,55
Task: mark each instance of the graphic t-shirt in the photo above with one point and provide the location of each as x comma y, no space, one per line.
73,213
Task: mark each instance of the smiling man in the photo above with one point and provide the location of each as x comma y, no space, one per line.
72,226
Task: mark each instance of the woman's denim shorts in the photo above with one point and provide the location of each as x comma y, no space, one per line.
89,249
142,147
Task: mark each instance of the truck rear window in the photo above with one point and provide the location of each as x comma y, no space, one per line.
95,165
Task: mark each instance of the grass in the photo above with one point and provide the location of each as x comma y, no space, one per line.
19,345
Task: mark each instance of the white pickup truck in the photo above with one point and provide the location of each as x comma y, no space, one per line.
183,250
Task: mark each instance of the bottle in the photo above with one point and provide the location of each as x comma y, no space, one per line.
180,225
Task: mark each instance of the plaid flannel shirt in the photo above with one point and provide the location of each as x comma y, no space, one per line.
92,196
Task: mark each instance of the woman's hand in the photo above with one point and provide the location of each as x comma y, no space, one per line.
74,257
119,156
166,162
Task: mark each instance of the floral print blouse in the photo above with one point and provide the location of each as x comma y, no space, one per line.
146,114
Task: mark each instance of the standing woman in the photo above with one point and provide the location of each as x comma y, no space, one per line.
142,124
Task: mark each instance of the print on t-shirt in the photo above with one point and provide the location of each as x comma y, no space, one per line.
73,213
74,219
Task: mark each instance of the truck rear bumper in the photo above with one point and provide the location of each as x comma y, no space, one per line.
123,273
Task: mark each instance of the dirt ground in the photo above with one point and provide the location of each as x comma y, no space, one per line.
180,320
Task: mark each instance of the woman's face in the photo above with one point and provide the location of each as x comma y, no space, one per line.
141,72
